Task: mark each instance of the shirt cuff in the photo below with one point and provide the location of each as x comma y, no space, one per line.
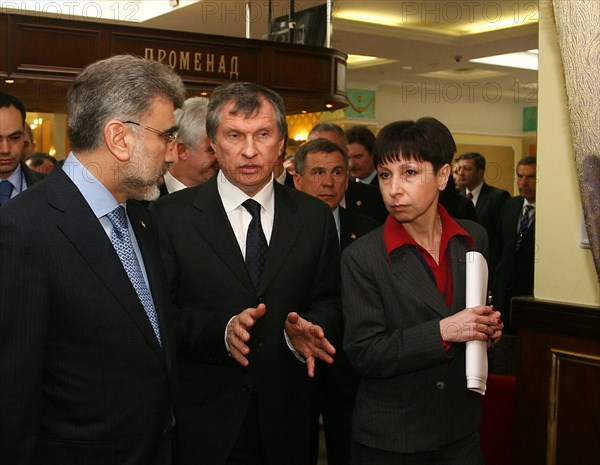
225,337
291,347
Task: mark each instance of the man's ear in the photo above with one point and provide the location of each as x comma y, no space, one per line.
214,147
182,151
117,140
442,176
297,183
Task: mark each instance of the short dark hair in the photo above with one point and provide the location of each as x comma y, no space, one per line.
315,146
248,98
477,158
37,159
529,160
426,139
361,135
8,100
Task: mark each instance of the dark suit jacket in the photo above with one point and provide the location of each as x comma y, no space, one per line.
488,208
353,226
31,177
412,395
513,270
210,284
337,383
457,205
366,200
84,379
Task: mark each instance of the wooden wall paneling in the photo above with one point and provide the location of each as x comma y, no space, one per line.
4,50
558,383
52,49
55,51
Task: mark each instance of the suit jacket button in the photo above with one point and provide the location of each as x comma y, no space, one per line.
440,385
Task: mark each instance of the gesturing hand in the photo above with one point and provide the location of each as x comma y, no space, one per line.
309,341
238,332
479,323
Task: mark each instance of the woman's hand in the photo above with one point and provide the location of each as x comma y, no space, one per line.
481,323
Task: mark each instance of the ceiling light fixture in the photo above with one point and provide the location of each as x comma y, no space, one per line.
522,60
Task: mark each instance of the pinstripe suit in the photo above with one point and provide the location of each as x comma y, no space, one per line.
412,396
83,379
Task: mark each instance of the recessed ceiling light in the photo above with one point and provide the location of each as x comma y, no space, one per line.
363,61
522,60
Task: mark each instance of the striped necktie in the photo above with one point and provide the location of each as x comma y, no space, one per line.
527,215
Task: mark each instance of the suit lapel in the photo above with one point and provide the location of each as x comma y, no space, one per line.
407,268
482,199
152,264
286,229
84,231
457,254
213,224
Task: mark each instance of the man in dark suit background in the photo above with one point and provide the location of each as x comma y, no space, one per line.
360,155
487,199
254,273
361,198
514,259
322,171
84,342
15,175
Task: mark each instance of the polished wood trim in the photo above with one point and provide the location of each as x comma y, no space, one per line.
558,380
559,383
573,319
37,48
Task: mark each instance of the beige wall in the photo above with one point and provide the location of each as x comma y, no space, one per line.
564,271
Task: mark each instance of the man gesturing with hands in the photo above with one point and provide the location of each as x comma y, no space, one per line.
254,274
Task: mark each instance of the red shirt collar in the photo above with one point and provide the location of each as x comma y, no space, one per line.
395,236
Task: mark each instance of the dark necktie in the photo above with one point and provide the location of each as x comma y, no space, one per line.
470,196
256,243
121,241
526,220
5,190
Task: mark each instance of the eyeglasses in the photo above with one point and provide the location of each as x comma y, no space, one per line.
13,138
170,136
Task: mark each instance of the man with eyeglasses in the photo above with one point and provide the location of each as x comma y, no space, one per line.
15,175
85,347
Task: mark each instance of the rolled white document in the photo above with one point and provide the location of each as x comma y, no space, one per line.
476,294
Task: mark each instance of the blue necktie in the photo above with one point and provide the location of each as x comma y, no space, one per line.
256,243
526,220
5,190
121,241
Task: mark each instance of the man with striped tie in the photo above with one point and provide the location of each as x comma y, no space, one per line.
513,259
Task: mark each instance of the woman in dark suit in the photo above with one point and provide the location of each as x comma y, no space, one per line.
403,290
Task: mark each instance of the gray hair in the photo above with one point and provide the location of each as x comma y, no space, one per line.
327,126
121,87
191,119
248,97
316,146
